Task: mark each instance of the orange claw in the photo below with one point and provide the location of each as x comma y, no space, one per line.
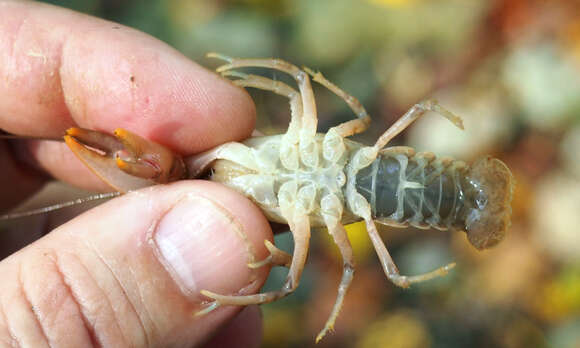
125,161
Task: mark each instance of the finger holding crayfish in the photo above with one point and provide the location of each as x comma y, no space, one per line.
92,86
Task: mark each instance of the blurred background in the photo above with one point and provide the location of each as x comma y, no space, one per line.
510,68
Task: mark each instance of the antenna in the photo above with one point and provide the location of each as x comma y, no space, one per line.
5,135
50,208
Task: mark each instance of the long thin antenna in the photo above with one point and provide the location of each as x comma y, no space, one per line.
58,206
9,136
26,137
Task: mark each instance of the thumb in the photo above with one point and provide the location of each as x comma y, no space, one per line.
129,272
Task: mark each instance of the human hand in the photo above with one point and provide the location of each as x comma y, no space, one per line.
129,272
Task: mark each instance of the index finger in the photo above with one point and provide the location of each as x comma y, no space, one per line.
61,69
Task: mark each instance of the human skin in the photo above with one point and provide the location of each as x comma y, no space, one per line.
129,272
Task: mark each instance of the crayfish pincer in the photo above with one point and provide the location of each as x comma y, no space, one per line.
306,179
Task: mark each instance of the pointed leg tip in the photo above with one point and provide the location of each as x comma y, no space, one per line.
210,307
219,56
323,333
260,264
233,73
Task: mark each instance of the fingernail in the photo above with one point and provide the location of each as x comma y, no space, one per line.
202,246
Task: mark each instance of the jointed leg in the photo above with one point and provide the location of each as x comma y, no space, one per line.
278,87
366,155
288,147
341,239
363,209
391,269
277,257
300,227
413,114
349,128
310,120
333,145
